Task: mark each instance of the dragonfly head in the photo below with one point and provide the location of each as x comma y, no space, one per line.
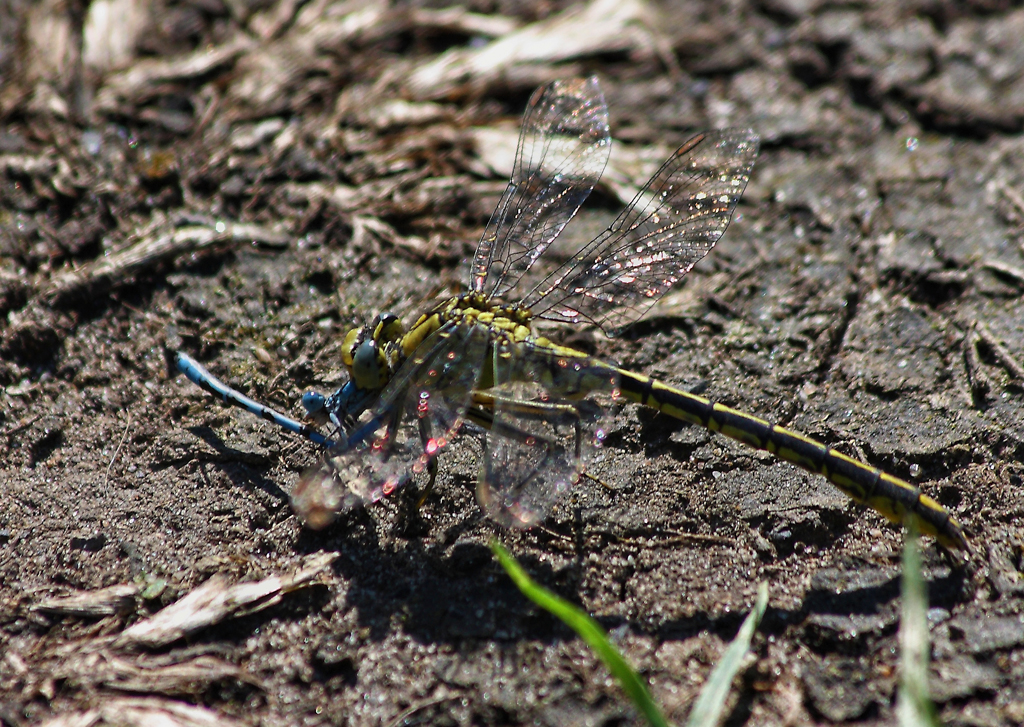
371,352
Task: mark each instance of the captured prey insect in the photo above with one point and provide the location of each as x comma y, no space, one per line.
475,361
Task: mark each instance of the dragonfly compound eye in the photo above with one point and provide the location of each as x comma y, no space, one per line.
349,346
368,367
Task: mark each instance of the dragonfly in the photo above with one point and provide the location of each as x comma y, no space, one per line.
475,360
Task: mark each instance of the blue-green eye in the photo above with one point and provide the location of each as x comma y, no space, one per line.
366,366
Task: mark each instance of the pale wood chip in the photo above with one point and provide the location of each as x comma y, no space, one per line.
118,598
216,600
600,26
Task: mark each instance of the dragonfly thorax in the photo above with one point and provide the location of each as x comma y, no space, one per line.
374,352
510,320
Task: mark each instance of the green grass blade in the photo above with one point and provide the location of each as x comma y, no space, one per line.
589,630
913,706
707,710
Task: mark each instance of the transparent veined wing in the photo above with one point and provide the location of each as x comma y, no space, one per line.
563,149
672,223
416,417
547,421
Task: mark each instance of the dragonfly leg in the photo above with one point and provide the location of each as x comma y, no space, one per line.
425,437
543,440
483,416
533,410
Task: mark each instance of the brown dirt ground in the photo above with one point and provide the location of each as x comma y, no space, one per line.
870,293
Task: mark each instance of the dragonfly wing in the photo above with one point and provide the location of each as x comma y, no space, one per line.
563,148
672,223
548,420
414,420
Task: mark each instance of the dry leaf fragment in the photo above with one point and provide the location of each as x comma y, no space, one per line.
216,600
119,598
144,712
600,26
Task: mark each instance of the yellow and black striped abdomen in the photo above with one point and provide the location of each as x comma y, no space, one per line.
897,500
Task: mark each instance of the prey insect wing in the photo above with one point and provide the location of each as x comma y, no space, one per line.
414,419
547,421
